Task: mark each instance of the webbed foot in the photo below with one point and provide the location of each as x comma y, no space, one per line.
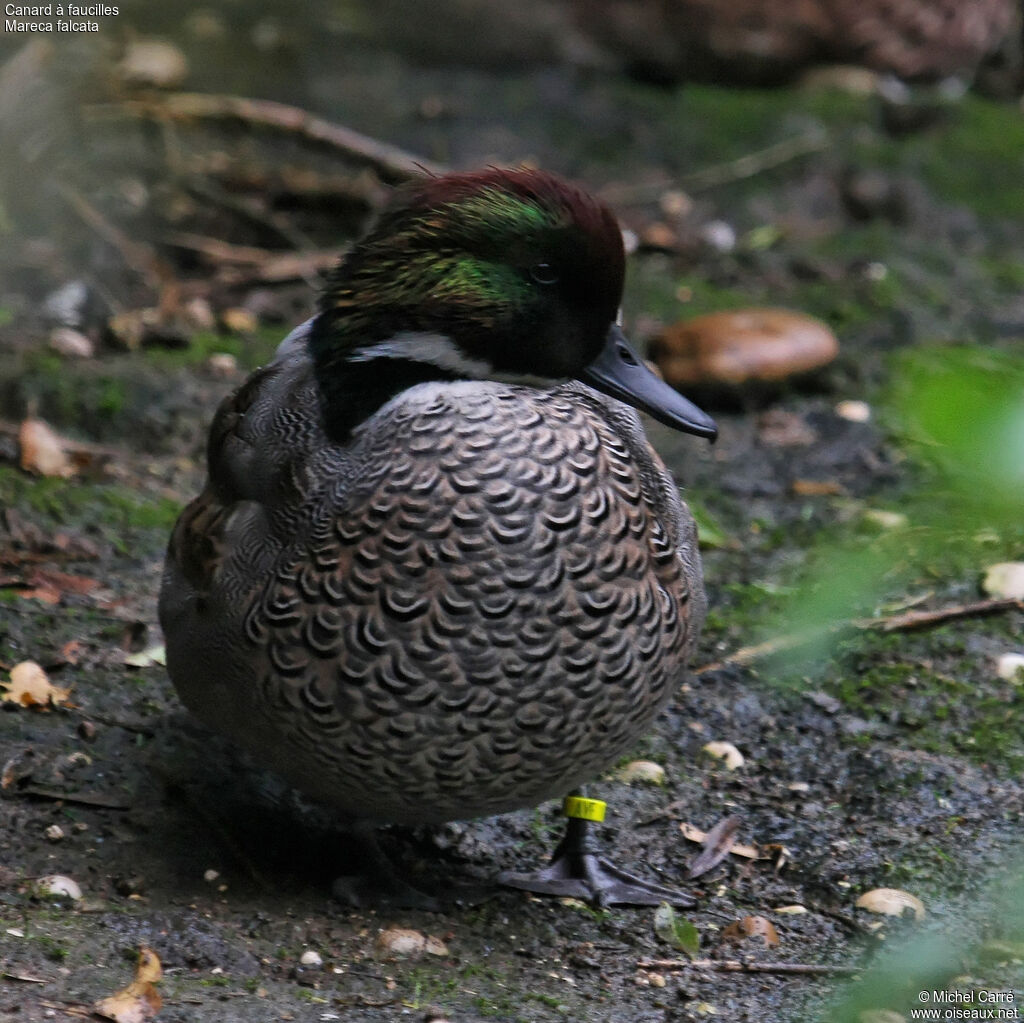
577,871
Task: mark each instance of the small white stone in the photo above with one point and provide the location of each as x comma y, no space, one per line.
209,876
719,235
641,771
854,411
726,751
72,343
58,884
401,942
799,786
311,958
222,364
1011,668
54,832
1005,580
885,519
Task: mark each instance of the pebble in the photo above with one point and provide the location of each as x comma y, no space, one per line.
854,411
72,343
222,364
644,771
54,832
311,958
153,62
1011,668
726,751
405,943
58,884
1005,580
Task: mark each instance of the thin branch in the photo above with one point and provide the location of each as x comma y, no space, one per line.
242,263
905,622
910,620
722,173
736,966
184,106
80,798
138,255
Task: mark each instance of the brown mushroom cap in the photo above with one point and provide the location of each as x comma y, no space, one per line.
745,346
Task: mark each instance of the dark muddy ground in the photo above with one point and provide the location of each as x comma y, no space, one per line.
873,759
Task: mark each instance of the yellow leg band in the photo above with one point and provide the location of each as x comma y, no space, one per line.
584,809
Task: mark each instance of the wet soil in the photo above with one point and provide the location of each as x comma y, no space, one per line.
872,759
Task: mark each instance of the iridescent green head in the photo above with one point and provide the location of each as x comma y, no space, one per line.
507,275
519,271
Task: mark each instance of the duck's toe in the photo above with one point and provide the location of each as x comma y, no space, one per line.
596,880
577,871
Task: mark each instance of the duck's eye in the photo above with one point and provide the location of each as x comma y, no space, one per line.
544,273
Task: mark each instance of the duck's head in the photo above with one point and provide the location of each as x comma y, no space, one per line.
512,275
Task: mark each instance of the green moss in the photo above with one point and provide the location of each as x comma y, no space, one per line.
109,508
250,350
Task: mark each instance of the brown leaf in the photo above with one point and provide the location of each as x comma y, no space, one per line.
891,902
752,927
717,845
50,586
71,651
42,451
817,488
31,687
694,834
138,1001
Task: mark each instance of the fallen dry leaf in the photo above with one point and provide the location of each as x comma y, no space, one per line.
725,751
694,834
42,450
644,771
817,488
752,927
50,586
58,884
404,943
891,902
153,656
30,686
781,429
742,346
140,1000
718,843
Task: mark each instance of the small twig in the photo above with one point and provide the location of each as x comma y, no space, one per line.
722,173
135,254
184,106
71,1008
910,620
749,654
736,966
288,266
247,262
234,848
905,622
220,251
850,923
250,210
24,978
80,798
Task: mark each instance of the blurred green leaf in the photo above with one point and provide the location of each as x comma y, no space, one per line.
679,932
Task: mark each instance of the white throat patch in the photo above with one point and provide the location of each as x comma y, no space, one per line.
441,351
